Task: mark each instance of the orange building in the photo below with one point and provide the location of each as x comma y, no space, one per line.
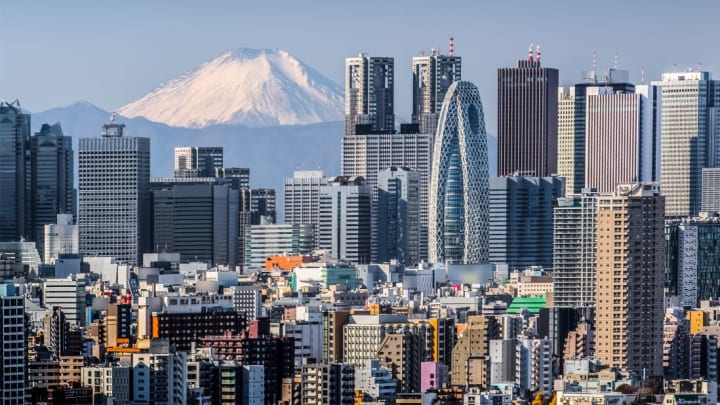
285,262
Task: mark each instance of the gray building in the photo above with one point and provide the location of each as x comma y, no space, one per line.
302,198
527,118
262,241
689,106
199,220
198,161
52,179
328,383
114,196
263,206
345,219
369,94
574,250
238,177
396,223
15,205
710,190
521,220
432,77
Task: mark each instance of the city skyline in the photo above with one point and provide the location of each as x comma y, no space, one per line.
162,45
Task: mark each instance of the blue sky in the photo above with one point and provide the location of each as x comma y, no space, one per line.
109,53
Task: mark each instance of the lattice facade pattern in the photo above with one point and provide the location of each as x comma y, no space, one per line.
458,209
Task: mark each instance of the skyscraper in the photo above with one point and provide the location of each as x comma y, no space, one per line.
302,198
262,206
689,105
198,161
197,220
238,177
432,77
345,219
114,196
710,190
521,220
369,94
397,233
458,212
572,103
630,279
527,118
574,250
52,179
15,206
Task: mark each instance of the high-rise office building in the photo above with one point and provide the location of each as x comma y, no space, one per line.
262,206
114,196
458,204
521,220
367,155
198,161
689,107
695,245
345,219
397,231
69,295
13,359
199,221
574,250
527,118
710,190
302,198
432,77
51,178
630,277
15,205
237,177
369,94
572,102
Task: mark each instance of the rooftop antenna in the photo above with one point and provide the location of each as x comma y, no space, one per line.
674,67
451,47
642,74
594,61
530,53
537,53
615,61
699,68
112,117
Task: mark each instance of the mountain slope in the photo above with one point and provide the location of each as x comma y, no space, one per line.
251,87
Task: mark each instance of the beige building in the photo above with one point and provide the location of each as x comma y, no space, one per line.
473,344
630,276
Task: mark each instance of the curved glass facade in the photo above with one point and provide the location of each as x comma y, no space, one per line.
458,213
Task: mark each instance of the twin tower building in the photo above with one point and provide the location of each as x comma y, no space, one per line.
445,147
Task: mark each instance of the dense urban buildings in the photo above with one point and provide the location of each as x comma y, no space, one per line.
458,233
114,195
527,118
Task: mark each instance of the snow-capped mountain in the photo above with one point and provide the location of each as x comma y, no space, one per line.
251,87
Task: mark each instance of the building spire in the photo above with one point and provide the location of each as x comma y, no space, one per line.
615,61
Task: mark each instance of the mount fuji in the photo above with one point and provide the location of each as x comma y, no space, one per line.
249,87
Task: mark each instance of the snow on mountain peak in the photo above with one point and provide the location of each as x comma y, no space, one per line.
253,87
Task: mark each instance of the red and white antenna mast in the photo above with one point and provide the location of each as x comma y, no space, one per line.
451,46
530,55
594,61
537,53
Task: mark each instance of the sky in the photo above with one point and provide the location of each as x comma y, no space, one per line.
54,53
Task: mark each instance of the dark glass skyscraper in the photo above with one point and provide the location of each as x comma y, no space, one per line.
15,207
51,178
527,118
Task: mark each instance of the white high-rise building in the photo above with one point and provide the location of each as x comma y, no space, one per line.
159,375
12,351
345,216
369,94
711,190
302,198
67,294
458,213
61,238
689,107
114,197
432,76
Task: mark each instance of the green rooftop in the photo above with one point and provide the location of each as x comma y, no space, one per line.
533,304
